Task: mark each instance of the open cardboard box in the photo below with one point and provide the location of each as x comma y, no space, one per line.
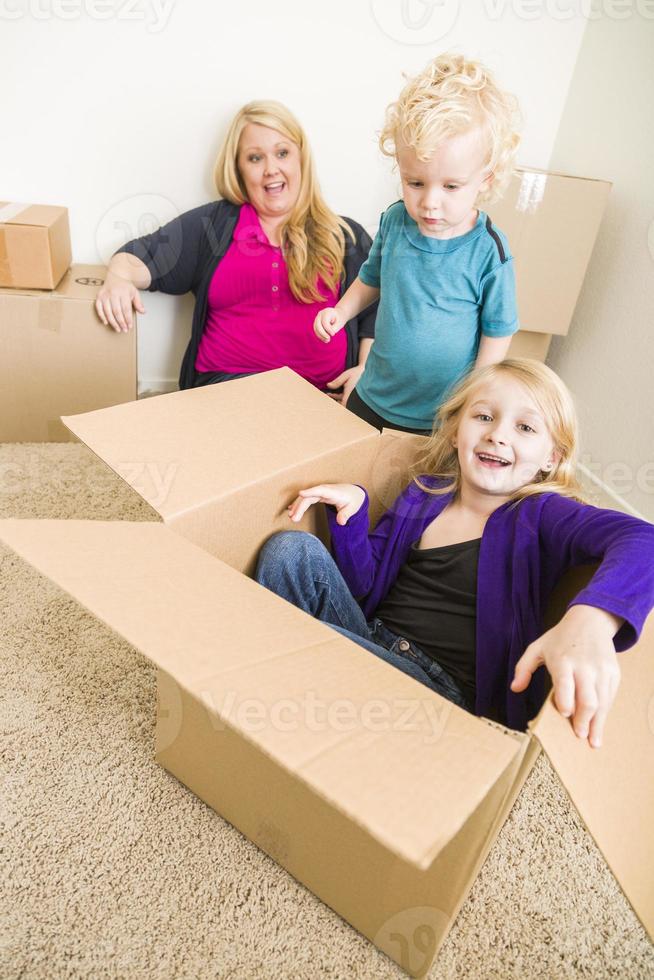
380,796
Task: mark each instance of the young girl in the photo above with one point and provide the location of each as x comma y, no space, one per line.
441,270
453,583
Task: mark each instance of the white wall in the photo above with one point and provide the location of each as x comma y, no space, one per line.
116,108
608,358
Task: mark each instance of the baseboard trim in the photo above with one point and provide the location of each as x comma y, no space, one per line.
156,386
619,502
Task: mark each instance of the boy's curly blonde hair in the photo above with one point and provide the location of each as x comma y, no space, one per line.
453,95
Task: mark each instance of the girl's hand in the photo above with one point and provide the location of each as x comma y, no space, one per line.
345,497
348,380
327,323
579,654
115,300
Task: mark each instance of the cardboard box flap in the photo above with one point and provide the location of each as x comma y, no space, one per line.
182,450
613,787
385,750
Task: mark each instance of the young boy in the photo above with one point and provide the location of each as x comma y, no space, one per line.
441,270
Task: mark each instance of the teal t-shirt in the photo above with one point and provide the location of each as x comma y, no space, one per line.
438,296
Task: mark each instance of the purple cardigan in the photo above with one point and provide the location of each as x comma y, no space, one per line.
524,551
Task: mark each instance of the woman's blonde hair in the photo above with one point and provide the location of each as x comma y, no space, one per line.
453,95
440,458
313,237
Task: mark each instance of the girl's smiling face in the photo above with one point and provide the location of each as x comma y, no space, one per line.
502,439
271,170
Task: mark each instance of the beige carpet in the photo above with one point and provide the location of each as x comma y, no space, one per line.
111,868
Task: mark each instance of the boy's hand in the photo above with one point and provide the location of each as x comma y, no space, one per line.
345,497
327,323
579,654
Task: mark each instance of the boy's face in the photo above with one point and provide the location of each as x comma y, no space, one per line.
440,193
502,439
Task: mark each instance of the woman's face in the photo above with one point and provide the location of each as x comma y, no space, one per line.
269,165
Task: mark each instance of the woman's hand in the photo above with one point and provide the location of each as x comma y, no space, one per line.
345,497
115,300
327,323
347,380
580,656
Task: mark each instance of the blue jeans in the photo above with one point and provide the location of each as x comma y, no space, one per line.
297,566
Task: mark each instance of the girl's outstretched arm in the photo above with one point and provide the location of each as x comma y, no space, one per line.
573,533
579,654
606,615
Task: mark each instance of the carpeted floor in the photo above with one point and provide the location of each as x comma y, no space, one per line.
113,869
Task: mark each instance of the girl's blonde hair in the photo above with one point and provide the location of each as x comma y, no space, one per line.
440,458
313,237
452,96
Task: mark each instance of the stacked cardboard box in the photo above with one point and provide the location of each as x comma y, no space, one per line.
56,356
551,221
380,796
34,245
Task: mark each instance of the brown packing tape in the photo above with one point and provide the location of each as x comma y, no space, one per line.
6,278
51,314
11,210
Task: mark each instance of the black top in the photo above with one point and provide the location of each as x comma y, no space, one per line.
433,603
183,255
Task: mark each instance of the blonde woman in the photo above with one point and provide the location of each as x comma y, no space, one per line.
452,584
261,262
442,270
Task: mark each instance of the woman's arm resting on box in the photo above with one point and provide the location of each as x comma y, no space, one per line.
169,260
580,656
119,293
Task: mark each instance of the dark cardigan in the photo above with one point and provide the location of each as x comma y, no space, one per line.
182,257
